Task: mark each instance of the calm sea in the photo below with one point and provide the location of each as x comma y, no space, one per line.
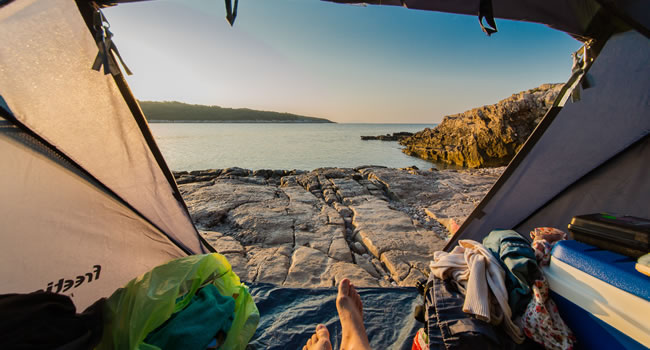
196,146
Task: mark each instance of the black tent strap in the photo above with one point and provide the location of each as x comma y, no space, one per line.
107,50
231,11
4,107
206,244
485,11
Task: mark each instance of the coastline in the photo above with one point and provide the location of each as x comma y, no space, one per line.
245,121
304,146
375,225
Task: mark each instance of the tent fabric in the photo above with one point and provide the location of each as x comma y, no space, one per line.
611,116
633,12
289,316
61,232
88,215
47,82
583,19
619,186
573,17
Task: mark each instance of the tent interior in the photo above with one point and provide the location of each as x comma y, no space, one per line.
89,202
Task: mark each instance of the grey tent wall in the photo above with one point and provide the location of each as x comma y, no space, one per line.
620,186
82,112
611,116
86,11
7,117
62,231
138,115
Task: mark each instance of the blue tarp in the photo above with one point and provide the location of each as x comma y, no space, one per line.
289,316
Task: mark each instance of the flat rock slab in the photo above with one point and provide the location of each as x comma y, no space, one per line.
269,265
445,196
361,278
311,268
210,203
407,267
308,268
383,229
376,226
223,244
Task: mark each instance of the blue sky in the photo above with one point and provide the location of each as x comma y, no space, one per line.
373,64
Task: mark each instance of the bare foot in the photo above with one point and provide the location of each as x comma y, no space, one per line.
348,304
320,340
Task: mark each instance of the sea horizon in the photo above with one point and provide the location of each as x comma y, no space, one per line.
301,146
157,121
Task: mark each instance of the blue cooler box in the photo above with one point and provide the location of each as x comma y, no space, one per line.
600,296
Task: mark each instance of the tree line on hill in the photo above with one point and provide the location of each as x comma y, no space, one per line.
183,112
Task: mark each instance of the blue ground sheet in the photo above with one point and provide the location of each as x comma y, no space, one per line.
289,316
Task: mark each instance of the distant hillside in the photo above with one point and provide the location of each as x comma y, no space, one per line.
183,112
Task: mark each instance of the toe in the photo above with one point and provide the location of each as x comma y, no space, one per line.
323,337
344,287
356,297
322,332
353,291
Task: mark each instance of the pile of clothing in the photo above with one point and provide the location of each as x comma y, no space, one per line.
493,295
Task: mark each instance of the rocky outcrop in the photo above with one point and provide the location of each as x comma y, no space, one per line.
484,136
397,136
373,225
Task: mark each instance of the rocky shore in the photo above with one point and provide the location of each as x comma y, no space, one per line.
485,136
377,226
397,136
